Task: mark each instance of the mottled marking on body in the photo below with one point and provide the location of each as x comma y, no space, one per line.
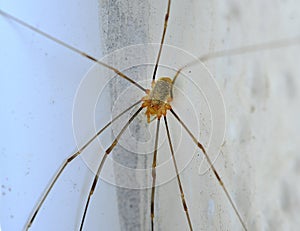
161,91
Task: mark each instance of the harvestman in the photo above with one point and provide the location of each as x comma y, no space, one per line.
157,102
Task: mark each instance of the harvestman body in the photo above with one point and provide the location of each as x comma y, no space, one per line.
157,102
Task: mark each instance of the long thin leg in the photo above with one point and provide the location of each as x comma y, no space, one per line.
66,162
111,147
162,40
252,48
154,174
213,168
178,177
72,48
242,50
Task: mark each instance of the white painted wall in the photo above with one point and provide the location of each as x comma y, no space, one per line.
39,82
259,161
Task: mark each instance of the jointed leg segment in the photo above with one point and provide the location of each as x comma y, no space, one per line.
68,161
213,169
